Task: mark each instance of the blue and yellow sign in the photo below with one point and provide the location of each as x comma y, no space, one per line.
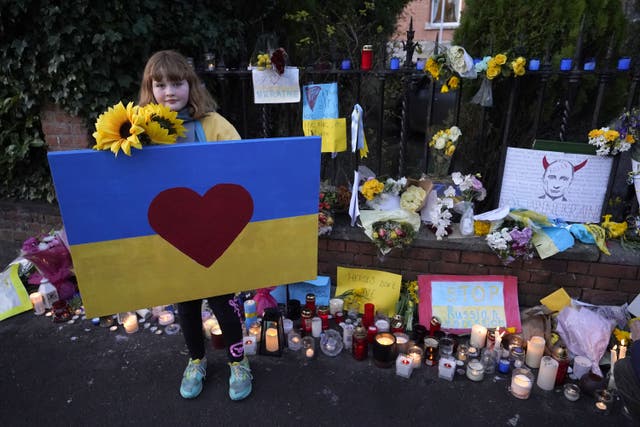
179,222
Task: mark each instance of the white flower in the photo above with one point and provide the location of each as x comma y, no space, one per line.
455,133
450,191
456,57
457,178
440,143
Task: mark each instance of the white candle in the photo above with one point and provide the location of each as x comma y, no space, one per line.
404,366
478,336
521,386
316,327
623,351
165,318
38,303
382,325
254,331
547,373
384,340
249,344
309,353
208,325
295,343
415,353
475,370
271,340
287,326
582,366
446,368
335,305
130,323
535,351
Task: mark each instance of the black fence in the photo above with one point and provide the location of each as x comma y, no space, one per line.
404,108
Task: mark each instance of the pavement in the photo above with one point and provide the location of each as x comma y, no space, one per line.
80,374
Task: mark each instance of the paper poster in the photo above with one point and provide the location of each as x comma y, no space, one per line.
13,296
463,301
320,116
560,185
378,287
269,87
180,222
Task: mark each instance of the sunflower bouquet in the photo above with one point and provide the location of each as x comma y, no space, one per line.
120,127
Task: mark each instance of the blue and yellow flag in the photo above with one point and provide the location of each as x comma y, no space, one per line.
320,116
186,221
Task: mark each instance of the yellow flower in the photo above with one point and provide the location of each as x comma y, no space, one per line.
630,139
500,59
518,66
594,133
119,128
433,68
162,125
450,150
493,71
454,82
371,188
444,89
622,335
611,135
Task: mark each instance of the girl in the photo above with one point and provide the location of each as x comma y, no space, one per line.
168,79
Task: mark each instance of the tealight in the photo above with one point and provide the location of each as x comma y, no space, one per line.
294,341
571,392
475,370
250,347
165,318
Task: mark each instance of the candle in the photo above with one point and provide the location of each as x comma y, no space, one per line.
535,351
415,353
249,344
217,341
254,331
475,370
271,340
498,344
582,365
309,345
623,350
309,353
372,331
478,336
287,326
38,302
207,325
446,346
359,343
250,315
165,318
130,323
571,392
547,373
335,305
382,325
447,368
521,383
384,350
347,334
316,327
294,341
404,366
402,340
604,401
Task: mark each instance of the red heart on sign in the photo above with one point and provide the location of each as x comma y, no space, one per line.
201,227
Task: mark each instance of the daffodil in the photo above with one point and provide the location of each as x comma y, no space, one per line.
119,128
162,125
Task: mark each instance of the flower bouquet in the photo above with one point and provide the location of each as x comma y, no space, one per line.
355,297
407,303
628,125
50,255
609,141
328,199
511,242
491,67
382,195
415,194
390,229
442,146
120,127
470,189
448,67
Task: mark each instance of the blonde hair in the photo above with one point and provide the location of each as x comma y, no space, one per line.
173,66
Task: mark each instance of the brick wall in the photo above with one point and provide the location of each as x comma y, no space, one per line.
63,131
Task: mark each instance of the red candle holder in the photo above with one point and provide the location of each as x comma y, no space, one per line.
371,333
367,316
360,345
366,61
323,314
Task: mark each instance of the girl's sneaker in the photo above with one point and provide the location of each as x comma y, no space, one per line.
193,377
240,379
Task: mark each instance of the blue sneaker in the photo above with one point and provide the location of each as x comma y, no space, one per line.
193,377
240,379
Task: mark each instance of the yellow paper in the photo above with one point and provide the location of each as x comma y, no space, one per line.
557,300
332,131
378,287
13,296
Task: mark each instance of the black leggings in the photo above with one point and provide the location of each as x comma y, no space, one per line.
227,312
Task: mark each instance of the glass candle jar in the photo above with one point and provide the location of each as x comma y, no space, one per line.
488,360
446,346
360,345
311,303
384,350
521,383
335,306
294,341
306,316
571,392
348,329
316,327
604,401
309,347
561,355
463,351
434,325
402,341
416,354
366,61
419,332
367,316
431,352
516,357
372,331
475,370
397,324
323,314
382,325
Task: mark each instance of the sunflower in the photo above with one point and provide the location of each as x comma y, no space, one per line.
162,126
119,128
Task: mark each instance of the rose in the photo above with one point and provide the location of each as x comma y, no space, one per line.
440,143
455,133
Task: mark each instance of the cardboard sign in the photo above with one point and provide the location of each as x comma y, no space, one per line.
187,221
463,301
320,116
269,87
560,185
378,287
13,296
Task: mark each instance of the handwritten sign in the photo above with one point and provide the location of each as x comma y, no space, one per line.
463,301
560,185
378,287
13,296
269,87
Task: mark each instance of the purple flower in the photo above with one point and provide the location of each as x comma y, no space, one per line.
520,238
476,183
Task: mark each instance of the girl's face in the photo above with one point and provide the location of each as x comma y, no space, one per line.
172,94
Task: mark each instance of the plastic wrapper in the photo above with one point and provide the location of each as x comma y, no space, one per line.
484,96
585,333
264,300
370,217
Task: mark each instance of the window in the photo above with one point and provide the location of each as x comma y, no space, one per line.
445,13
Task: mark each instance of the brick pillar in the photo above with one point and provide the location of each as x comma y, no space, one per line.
62,131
